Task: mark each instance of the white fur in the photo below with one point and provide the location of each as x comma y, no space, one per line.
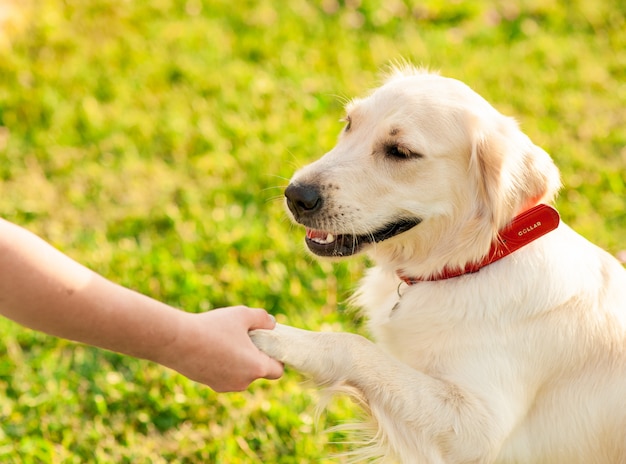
521,362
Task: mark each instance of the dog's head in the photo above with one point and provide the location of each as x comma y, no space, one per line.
424,174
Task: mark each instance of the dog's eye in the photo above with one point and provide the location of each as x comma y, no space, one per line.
400,152
348,121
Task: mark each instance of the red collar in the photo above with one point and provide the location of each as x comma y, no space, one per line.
523,229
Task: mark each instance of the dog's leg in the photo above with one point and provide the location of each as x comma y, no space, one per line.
322,355
420,419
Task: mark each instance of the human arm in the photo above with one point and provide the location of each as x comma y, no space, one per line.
43,289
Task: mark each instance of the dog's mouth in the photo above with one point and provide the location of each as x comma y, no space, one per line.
324,243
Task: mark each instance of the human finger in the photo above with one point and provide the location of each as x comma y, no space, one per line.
260,319
274,369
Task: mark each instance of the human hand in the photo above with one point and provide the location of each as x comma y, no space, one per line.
214,348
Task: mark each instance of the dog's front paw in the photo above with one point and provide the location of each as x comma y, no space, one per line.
301,349
325,356
268,341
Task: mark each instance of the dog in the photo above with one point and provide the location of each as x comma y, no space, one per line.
501,332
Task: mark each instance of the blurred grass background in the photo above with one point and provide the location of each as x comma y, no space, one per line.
151,141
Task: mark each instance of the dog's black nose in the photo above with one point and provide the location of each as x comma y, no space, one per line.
303,199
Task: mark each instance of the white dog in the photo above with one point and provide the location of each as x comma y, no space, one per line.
501,333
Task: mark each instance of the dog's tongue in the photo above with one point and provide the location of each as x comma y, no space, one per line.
319,236
312,233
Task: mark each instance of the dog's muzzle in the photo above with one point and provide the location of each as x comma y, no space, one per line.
305,203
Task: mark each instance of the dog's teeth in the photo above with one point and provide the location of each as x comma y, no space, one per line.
329,238
320,237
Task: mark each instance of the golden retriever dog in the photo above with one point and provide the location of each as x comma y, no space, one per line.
501,332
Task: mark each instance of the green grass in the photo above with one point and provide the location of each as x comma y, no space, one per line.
151,141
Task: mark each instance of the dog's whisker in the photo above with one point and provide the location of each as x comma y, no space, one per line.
293,162
274,198
273,188
342,99
278,177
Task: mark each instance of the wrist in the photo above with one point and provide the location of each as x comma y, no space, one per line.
173,348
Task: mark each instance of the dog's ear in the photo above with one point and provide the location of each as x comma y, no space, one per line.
512,174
